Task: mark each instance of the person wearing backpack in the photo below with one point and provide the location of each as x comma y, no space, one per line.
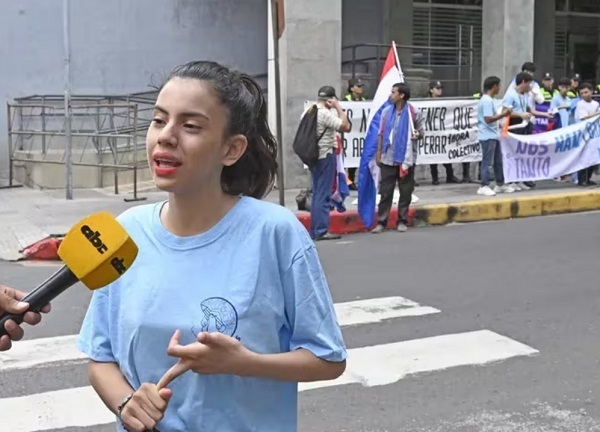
330,120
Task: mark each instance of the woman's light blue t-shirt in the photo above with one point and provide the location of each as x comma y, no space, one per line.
254,276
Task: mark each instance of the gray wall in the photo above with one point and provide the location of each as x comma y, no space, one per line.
119,45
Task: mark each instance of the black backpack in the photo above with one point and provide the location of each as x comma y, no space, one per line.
306,142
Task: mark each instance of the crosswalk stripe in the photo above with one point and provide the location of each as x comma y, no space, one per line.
386,364
370,366
46,352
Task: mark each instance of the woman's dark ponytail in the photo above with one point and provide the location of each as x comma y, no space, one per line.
254,173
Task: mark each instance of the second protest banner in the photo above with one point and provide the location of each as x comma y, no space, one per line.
551,154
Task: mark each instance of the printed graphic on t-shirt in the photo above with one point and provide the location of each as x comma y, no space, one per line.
218,315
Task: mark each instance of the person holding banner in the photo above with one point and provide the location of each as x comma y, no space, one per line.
397,155
488,129
587,108
520,100
561,104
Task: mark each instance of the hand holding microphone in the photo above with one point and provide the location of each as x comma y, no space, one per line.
96,251
10,302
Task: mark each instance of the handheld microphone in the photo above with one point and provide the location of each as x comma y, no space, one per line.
96,252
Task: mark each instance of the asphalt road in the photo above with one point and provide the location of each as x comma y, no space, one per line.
534,281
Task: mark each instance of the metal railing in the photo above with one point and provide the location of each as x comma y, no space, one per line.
458,68
107,133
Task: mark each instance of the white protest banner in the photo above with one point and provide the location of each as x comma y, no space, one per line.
450,131
551,154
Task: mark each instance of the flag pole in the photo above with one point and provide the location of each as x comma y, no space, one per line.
410,120
277,29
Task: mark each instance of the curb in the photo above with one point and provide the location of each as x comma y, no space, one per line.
44,250
473,211
420,215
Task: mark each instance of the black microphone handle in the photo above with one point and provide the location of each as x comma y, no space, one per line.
42,295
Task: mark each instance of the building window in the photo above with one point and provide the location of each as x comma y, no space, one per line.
584,6
447,34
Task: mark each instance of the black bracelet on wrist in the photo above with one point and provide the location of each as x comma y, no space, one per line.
122,405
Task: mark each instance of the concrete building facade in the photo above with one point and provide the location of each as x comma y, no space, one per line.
119,47
459,42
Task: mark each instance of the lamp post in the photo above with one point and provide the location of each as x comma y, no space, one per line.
277,25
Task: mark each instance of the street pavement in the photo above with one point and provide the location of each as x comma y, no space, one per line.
487,327
28,216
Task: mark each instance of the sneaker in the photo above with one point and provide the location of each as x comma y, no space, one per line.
503,189
401,228
328,236
515,187
485,191
378,229
523,186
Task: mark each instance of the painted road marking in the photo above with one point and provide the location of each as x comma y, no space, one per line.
46,352
370,366
43,352
386,364
375,310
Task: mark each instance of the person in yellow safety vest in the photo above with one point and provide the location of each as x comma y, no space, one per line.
575,83
356,87
547,88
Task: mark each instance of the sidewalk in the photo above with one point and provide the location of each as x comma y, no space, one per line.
29,216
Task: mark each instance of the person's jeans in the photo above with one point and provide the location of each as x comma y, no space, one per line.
491,150
322,187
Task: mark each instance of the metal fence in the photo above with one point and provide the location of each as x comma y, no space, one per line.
107,132
458,68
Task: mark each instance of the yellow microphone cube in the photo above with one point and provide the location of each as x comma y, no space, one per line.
98,250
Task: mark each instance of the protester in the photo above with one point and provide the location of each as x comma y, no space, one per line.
535,92
489,137
227,290
518,98
10,303
331,119
587,108
396,156
561,103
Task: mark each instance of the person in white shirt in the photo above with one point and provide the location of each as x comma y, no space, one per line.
535,94
587,108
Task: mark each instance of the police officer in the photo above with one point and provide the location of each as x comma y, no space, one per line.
547,88
436,89
356,87
575,83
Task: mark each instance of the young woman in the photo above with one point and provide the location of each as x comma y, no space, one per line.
226,307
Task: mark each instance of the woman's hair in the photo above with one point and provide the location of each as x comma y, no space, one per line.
254,173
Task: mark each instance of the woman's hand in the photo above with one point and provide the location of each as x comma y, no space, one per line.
213,353
146,408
